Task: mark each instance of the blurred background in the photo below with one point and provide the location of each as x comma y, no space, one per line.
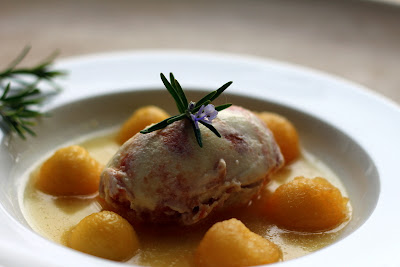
356,40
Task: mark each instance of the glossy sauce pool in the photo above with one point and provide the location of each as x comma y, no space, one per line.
52,217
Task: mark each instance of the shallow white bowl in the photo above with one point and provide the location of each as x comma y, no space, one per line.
351,129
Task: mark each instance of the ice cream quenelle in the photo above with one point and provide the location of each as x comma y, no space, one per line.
164,176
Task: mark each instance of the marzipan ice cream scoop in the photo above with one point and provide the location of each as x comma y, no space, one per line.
164,176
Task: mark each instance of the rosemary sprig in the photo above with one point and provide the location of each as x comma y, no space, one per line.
21,95
202,111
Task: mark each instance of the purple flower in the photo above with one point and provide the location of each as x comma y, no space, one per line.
205,114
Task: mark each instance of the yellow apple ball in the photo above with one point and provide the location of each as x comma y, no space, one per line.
69,171
139,120
307,205
104,234
285,134
231,243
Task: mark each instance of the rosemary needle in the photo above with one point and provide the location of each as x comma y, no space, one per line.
21,95
201,112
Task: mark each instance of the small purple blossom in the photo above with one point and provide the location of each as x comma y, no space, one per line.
205,114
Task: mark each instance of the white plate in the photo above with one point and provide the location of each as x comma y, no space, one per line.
361,125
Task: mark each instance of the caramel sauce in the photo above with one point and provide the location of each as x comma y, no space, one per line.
167,245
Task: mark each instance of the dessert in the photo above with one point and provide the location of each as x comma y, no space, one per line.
164,176
216,187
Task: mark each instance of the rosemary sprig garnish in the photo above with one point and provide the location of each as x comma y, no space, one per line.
21,95
202,111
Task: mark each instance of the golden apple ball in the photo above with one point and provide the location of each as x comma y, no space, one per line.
308,205
231,243
69,171
285,134
139,120
104,234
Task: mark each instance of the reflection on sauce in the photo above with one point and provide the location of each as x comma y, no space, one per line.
53,217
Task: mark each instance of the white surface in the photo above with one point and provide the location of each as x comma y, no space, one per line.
368,118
